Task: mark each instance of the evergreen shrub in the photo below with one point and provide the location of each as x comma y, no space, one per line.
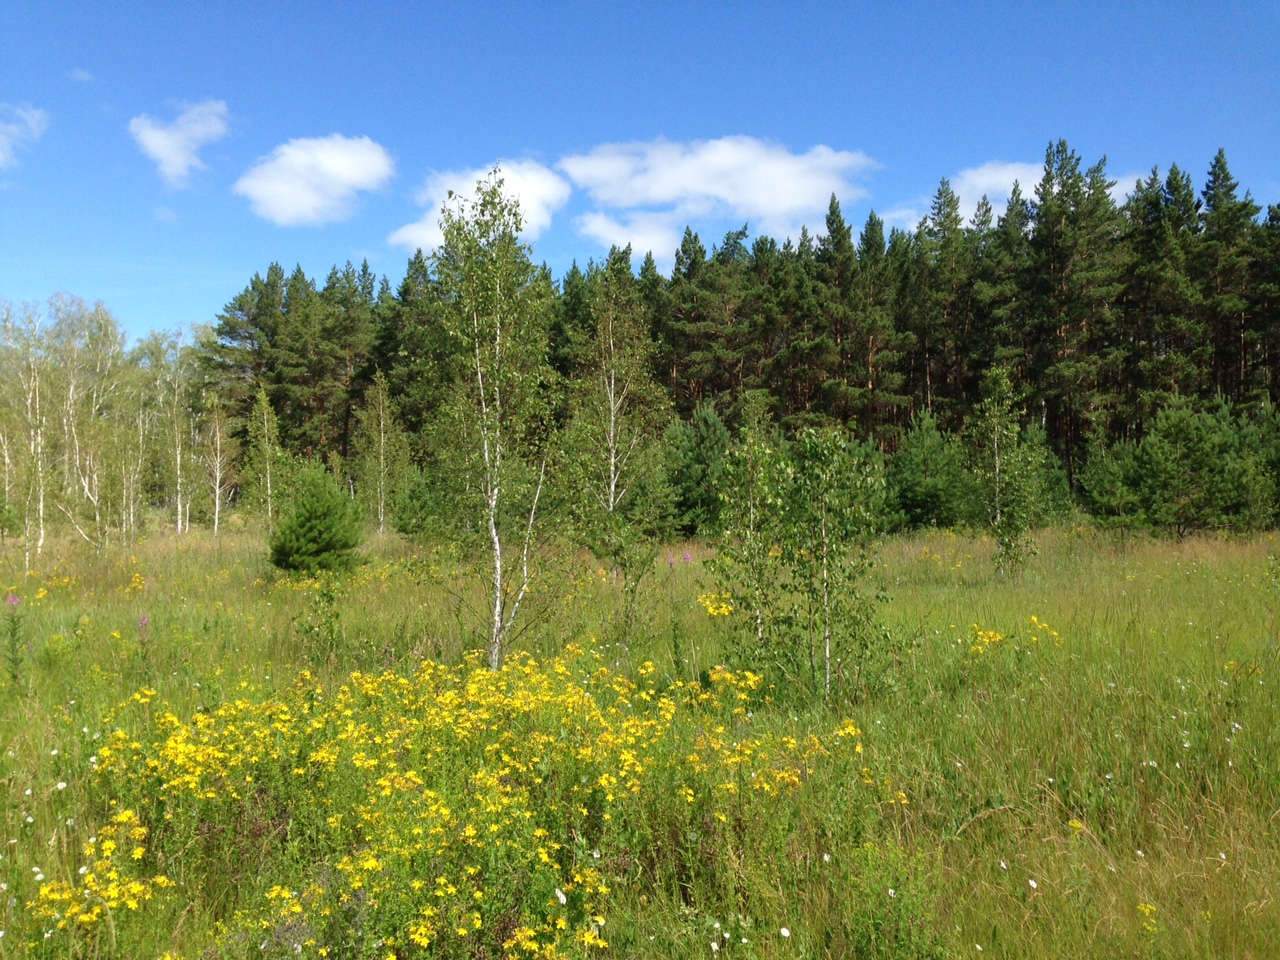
321,532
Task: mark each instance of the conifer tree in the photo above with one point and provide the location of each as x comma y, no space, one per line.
926,476
320,533
1222,273
697,449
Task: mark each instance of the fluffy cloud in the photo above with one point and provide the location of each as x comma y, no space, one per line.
539,190
175,147
1125,184
732,177
315,180
647,231
19,125
995,181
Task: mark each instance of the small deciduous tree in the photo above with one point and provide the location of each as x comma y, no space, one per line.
218,452
382,463
793,557
267,473
748,560
618,495
1007,471
834,497
493,430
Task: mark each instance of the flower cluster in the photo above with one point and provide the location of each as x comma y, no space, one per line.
716,604
109,879
454,812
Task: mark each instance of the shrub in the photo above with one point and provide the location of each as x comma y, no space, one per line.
321,533
697,451
927,478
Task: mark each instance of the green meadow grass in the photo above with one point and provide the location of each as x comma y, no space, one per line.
1101,781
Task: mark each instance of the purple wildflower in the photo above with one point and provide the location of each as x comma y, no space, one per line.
12,600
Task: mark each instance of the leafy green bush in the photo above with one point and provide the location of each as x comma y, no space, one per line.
321,532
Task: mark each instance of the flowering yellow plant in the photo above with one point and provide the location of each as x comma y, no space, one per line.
452,811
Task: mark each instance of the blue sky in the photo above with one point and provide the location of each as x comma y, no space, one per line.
156,158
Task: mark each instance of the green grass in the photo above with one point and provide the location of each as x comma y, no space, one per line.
1111,789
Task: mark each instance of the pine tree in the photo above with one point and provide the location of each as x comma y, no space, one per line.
926,476
697,449
321,532
1221,269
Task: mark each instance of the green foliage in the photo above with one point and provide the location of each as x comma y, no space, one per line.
382,463
696,452
793,559
492,437
321,532
948,805
748,560
927,482
612,474
1009,470
832,506
1193,472
10,520
269,473
15,646
1109,482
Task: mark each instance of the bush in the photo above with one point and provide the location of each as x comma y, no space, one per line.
321,533
697,452
926,477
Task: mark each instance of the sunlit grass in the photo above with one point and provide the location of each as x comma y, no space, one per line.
1083,761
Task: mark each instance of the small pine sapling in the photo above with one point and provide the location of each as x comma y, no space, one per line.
321,533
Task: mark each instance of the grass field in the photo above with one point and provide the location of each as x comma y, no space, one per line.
1082,762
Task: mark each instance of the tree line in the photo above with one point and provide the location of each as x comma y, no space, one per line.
1129,343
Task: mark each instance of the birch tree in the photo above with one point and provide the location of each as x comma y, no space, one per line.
496,308
620,496
86,346
171,364
266,466
382,451
218,453
24,341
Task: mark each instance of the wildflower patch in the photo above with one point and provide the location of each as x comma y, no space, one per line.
454,812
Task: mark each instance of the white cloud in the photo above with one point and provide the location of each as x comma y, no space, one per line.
647,231
994,180
906,216
1125,184
80,75
175,147
538,189
739,177
315,180
19,125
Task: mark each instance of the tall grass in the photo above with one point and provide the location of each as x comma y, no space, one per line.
1103,780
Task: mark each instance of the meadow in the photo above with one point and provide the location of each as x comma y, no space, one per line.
203,758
